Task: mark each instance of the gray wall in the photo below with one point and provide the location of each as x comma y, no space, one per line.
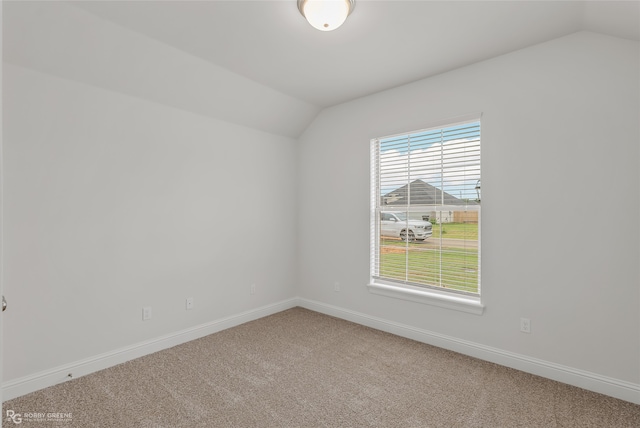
559,129
113,203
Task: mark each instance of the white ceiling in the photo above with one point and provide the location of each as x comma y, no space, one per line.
260,64
382,44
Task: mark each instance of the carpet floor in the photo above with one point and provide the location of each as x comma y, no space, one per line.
299,368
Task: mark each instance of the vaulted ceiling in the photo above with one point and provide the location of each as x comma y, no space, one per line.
382,45
269,45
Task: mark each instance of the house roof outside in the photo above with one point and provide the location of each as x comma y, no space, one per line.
419,192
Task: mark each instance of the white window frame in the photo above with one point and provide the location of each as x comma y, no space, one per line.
400,290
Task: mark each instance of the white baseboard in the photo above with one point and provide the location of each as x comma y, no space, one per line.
18,387
591,381
602,384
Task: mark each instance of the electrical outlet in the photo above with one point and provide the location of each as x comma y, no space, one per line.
189,303
146,313
252,290
525,325
336,287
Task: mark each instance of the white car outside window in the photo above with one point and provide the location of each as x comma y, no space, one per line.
398,225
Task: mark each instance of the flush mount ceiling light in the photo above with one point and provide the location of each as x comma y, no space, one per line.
326,15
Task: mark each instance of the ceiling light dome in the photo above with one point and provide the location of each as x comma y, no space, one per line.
326,15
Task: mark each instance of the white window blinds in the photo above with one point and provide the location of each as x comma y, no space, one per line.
426,208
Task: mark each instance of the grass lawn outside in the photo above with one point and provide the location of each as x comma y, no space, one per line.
454,266
455,231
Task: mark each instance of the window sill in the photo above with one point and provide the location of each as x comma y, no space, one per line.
469,304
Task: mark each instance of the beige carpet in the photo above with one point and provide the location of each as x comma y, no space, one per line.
299,368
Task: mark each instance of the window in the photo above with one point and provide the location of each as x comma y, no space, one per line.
425,214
